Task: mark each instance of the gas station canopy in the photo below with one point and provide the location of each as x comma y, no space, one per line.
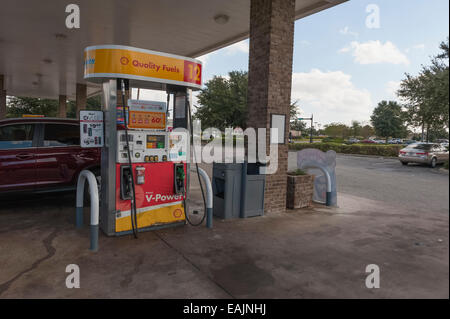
40,57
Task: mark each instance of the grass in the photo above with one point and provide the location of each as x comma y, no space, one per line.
297,172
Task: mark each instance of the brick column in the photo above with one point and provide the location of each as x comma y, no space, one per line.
2,97
80,98
62,109
269,83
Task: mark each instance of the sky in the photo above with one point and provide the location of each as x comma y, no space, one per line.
350,57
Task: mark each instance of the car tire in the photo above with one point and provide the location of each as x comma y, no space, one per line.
433,162
405,163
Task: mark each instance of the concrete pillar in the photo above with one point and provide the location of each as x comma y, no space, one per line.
2,97
62,109
269,82
80,98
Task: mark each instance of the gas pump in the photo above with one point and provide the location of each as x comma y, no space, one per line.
144,181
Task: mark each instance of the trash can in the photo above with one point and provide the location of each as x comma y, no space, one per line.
226,185
253,187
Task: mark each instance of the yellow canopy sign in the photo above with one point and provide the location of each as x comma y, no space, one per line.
117,61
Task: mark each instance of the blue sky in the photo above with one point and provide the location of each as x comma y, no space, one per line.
342,68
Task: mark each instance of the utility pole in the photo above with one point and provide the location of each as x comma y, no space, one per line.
311,134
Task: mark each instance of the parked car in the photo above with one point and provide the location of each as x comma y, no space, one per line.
43,154
368,141
425,153
351,141
395,141
407,142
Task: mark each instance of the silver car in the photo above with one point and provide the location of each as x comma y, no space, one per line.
425,153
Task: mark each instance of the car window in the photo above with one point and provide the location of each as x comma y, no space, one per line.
61,135
16,136
425,147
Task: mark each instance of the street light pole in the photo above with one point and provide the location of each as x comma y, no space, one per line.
311,130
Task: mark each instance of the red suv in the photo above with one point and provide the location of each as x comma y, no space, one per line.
43,154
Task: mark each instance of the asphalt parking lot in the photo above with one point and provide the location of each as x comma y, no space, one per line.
414,187
310,253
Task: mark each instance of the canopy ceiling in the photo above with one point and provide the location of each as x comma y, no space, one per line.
40,57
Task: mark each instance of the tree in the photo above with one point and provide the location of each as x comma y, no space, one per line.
367,131
92,103
337,130
426,96
356,128
19,105
387,119
295,123
223,102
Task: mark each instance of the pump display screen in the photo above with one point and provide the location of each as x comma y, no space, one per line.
156,141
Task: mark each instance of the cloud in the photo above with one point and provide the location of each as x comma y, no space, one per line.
204,58
373,52
330,96
346,31
419,46
238,47
391,88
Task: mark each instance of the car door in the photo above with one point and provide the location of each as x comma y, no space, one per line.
17,157
56,163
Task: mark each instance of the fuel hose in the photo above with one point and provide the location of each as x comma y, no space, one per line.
199,179
131,178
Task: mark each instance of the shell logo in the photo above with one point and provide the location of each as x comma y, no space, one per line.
177,213
124,60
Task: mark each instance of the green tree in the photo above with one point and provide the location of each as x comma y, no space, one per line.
387,119
337,130
223,102
92,103
367,131
295,123
426,96
356,128
435,133
19,105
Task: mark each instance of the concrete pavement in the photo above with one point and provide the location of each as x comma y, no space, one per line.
309,253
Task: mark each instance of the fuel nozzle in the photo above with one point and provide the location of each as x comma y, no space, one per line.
179,178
